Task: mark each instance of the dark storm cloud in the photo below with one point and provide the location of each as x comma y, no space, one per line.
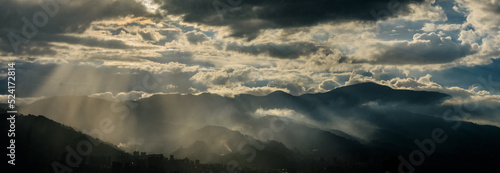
291,50
87,41
71,17
246,18
30,48
40,45
29,19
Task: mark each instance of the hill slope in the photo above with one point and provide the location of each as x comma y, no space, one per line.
41,142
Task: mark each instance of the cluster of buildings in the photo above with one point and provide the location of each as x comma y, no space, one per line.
158,163
141,162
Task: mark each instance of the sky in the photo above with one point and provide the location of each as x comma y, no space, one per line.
131,49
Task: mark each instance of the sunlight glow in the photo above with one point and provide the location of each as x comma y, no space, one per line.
149,4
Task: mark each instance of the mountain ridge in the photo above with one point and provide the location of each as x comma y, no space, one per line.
370,121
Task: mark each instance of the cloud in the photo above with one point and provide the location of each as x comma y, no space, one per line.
292,50
247,18
86,41
288,113
467,36
122,96
147,36
425,48
292,87
328,85
485,108
431,27
157,68
233,91
484,15
71,16
196,37
226,76
290,54
30,48
428,10
43,44
169,36
20,101
30,19
423,83
483,21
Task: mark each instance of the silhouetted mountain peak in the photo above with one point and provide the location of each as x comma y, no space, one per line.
278,93
366,88
369,91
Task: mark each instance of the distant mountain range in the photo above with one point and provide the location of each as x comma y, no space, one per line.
362,123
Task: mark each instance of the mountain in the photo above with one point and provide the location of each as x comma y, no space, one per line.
362,123
344,97
215,144
41,143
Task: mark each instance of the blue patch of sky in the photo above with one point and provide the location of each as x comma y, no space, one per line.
464,77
